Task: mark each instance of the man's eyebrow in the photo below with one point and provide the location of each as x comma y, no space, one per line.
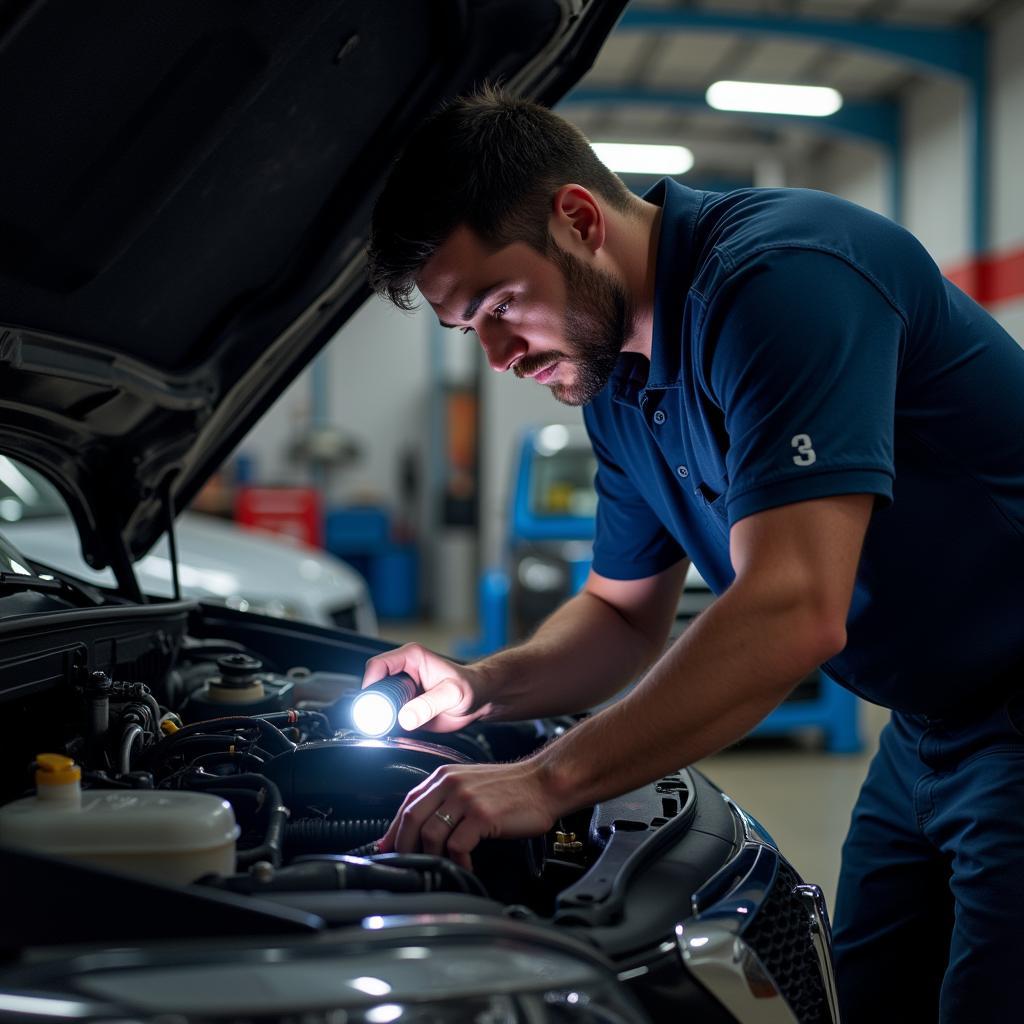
474,303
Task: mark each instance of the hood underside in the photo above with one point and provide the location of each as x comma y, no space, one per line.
186,195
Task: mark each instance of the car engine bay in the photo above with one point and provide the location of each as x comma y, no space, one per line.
245,721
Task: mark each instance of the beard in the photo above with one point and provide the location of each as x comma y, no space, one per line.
598,320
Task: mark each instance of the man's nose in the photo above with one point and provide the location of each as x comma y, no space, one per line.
501,347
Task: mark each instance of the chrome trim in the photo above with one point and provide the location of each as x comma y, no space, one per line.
735,892
753,830
821,938
732,972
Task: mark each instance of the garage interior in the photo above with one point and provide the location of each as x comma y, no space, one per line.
399,452
415,477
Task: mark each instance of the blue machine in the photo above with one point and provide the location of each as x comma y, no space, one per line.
549,549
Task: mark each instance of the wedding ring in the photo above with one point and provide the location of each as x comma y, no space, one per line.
446,818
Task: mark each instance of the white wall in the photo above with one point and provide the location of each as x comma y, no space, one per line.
857,172
1006,212
937,180
378,373
1006,83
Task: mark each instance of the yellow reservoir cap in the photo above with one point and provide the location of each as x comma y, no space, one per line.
56,770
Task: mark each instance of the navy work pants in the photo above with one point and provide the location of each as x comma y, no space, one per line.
929,916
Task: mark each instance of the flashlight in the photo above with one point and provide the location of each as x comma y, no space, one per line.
375,709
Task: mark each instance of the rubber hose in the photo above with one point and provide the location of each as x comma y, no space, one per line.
132,735
274,741
277,813
313,835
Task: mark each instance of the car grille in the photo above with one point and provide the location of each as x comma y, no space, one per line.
780,935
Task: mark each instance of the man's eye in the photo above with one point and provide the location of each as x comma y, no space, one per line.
500,311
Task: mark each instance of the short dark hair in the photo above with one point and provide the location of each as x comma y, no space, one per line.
489,161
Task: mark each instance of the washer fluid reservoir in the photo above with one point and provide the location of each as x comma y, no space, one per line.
165,836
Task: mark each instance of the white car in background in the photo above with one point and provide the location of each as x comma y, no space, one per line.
250,570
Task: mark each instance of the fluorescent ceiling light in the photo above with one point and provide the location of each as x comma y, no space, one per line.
628,158
765,98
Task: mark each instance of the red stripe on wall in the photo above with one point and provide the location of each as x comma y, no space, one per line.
991,279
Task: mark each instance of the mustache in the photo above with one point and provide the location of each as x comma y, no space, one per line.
529,365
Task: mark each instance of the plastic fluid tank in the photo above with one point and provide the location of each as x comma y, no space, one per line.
165,836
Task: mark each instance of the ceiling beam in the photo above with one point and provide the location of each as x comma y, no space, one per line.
956,50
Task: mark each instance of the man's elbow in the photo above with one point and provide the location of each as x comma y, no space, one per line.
821,635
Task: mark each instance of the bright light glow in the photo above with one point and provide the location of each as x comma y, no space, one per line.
374,922
373,714
40,1006
628,158
17,481
698,942
371,986
766,98
11,509
384,1014
552,438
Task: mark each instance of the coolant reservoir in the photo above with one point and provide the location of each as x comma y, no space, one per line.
166,836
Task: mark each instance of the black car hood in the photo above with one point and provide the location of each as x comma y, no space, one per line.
186,194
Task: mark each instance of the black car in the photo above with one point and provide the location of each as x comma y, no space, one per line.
187,820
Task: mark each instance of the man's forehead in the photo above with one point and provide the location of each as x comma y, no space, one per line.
452,267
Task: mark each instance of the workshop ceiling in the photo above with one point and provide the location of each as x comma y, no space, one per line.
648,80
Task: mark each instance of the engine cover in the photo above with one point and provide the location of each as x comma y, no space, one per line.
350,777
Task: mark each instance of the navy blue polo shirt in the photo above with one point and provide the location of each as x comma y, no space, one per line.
804,347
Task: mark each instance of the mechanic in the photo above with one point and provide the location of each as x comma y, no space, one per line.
781,386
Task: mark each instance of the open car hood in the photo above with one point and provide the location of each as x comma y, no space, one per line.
186,198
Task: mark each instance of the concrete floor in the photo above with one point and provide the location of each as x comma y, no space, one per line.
802,795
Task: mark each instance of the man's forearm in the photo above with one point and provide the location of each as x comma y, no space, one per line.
582,654
736,662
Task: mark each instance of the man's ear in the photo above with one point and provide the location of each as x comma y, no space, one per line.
577,220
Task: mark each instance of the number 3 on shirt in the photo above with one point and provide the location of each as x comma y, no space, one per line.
802,443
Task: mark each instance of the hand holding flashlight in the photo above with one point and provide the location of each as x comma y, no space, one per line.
447,696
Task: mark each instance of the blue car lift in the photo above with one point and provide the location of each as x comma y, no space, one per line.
835,710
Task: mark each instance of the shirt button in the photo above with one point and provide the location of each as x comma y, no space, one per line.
682,471
660,417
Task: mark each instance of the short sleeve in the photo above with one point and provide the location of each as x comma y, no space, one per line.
802,353
630,543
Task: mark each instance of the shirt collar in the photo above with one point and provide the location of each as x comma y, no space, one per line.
633,373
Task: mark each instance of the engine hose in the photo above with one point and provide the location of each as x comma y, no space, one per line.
154,710
159,754
272,739
300,717
132,735
314,835
277,814
458,879
227,758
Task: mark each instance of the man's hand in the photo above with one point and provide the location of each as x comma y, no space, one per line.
452,697
459,805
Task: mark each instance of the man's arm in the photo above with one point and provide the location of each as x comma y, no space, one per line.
784,614
590,648
584,653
